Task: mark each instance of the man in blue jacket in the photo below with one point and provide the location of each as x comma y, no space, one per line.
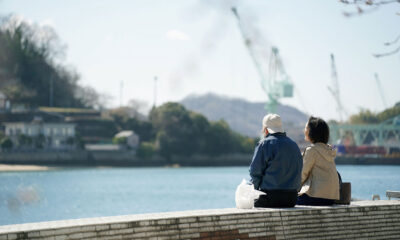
276,166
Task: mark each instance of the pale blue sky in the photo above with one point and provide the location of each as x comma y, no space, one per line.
195,47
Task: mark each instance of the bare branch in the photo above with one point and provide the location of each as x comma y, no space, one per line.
387,2
371,5
360,11
393,42
369,2
387,54
351,2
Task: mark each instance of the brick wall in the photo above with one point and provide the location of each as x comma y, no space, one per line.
360,220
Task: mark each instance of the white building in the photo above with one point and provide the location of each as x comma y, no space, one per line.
132,139
4,102
55,134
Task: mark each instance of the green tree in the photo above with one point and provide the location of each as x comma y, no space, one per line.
24,140
6,144
247,144
142,128
174,130
2,135
80,143
368,117
70,141
119,140
40,140
200,129
221,140
146,150
181,132
364,117
389,113
31,69
165,145
127,118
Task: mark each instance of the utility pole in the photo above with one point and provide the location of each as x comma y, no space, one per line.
155,91
120,93
51,91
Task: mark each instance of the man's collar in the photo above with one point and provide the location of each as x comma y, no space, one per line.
277,134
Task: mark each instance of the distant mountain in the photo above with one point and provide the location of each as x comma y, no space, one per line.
243,116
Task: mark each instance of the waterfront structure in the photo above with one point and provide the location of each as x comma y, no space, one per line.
54,135
33,130
103,147
122,141
71,113
386,133
4,103
131,139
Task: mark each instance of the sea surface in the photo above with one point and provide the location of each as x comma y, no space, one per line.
94,192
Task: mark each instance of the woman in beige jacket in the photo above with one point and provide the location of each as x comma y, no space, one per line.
319,180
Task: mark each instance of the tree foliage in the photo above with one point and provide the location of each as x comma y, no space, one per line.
389,113
120,140
127,118
181,132
146,150
6,143
173,125
24,140
368,117
31,72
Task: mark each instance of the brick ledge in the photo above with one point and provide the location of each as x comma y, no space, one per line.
26,227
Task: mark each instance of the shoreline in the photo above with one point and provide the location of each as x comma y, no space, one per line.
16,167
39,161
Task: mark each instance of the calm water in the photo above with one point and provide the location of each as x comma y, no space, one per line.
80,193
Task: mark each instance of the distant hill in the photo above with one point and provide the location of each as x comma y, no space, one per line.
243,116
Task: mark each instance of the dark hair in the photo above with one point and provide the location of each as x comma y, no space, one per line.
318,130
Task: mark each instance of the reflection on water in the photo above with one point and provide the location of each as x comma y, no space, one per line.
94,192
24,195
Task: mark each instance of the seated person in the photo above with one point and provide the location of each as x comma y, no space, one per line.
319,178
276,166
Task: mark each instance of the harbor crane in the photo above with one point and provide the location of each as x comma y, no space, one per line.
335,90
378,82
276,84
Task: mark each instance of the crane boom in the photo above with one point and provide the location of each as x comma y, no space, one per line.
250,50
378,82
277,85
335,90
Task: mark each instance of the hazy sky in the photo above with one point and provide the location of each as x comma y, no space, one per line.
195,46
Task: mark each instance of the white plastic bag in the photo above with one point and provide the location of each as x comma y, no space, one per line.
306,186
245,195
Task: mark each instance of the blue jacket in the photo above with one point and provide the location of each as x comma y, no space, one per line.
276,164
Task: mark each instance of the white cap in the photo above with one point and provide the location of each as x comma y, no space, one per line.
273,123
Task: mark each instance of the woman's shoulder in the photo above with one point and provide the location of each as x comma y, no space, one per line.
310,150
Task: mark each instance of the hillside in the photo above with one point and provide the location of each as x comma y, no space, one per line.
243,116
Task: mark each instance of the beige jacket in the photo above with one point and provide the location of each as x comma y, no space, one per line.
319,177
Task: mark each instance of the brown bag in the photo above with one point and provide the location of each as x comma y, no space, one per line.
345,194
